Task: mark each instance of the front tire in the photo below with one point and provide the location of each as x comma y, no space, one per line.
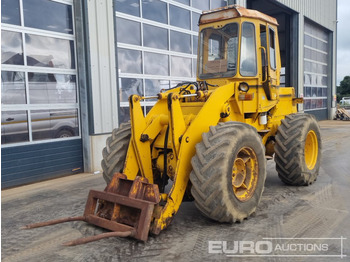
229,171
114,153
298,150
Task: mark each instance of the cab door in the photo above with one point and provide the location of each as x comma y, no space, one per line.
274,63
270,63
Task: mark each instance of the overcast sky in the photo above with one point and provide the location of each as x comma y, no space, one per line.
343,40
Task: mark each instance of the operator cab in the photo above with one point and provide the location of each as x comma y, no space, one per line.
238,44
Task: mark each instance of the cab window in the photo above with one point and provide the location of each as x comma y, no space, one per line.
272,48
218,51
248,61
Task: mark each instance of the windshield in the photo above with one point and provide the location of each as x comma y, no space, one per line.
218,52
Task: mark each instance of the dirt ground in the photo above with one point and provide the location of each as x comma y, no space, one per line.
304,216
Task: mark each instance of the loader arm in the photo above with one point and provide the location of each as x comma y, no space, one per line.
168,112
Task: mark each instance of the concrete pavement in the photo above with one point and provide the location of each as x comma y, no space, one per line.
321,210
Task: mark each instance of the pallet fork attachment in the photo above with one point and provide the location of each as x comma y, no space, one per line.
125,207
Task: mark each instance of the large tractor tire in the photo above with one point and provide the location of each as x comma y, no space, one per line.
229,171
298,150
114,153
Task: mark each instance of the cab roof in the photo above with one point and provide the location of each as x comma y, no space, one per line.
233,11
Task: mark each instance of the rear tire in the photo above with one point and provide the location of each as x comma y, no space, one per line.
114,153
229,171
298,150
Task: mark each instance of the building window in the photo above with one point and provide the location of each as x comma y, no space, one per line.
47,51
195,20
10,12
130,86
48,15
11,48
316,75
181,66
156,64
155,10
180,17
155,37
217,3
131,7
129,61
13,90
154,86
38,73
14,126
201,4
59,123
194,45
47,88
180,42
186,2
124,27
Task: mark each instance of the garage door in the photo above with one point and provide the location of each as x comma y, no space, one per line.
40,130
316,70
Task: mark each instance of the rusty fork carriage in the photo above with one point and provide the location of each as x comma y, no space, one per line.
125,207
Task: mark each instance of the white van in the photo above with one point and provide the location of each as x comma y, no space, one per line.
345,101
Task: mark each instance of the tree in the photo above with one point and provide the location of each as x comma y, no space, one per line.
344,88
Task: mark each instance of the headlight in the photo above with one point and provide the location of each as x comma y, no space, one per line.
244,87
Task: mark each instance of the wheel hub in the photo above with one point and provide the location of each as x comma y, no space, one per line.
240,174
244,174
311,150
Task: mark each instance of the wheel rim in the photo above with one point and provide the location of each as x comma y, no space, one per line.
311,149
244,174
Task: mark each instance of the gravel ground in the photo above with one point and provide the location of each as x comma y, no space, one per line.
319,211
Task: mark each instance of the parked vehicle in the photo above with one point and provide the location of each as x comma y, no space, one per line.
46,124
345,101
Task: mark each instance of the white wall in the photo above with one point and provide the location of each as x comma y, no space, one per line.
98,142
322,12
102,65
103,77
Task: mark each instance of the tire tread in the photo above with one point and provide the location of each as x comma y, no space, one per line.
115,151
289,150
208,166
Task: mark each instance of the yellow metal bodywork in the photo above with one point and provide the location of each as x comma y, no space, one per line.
180,118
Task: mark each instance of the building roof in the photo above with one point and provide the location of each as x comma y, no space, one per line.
233,11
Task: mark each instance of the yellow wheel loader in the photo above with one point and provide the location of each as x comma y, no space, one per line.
208,140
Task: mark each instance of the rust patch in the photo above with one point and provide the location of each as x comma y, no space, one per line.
156,228
233,11
124,207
